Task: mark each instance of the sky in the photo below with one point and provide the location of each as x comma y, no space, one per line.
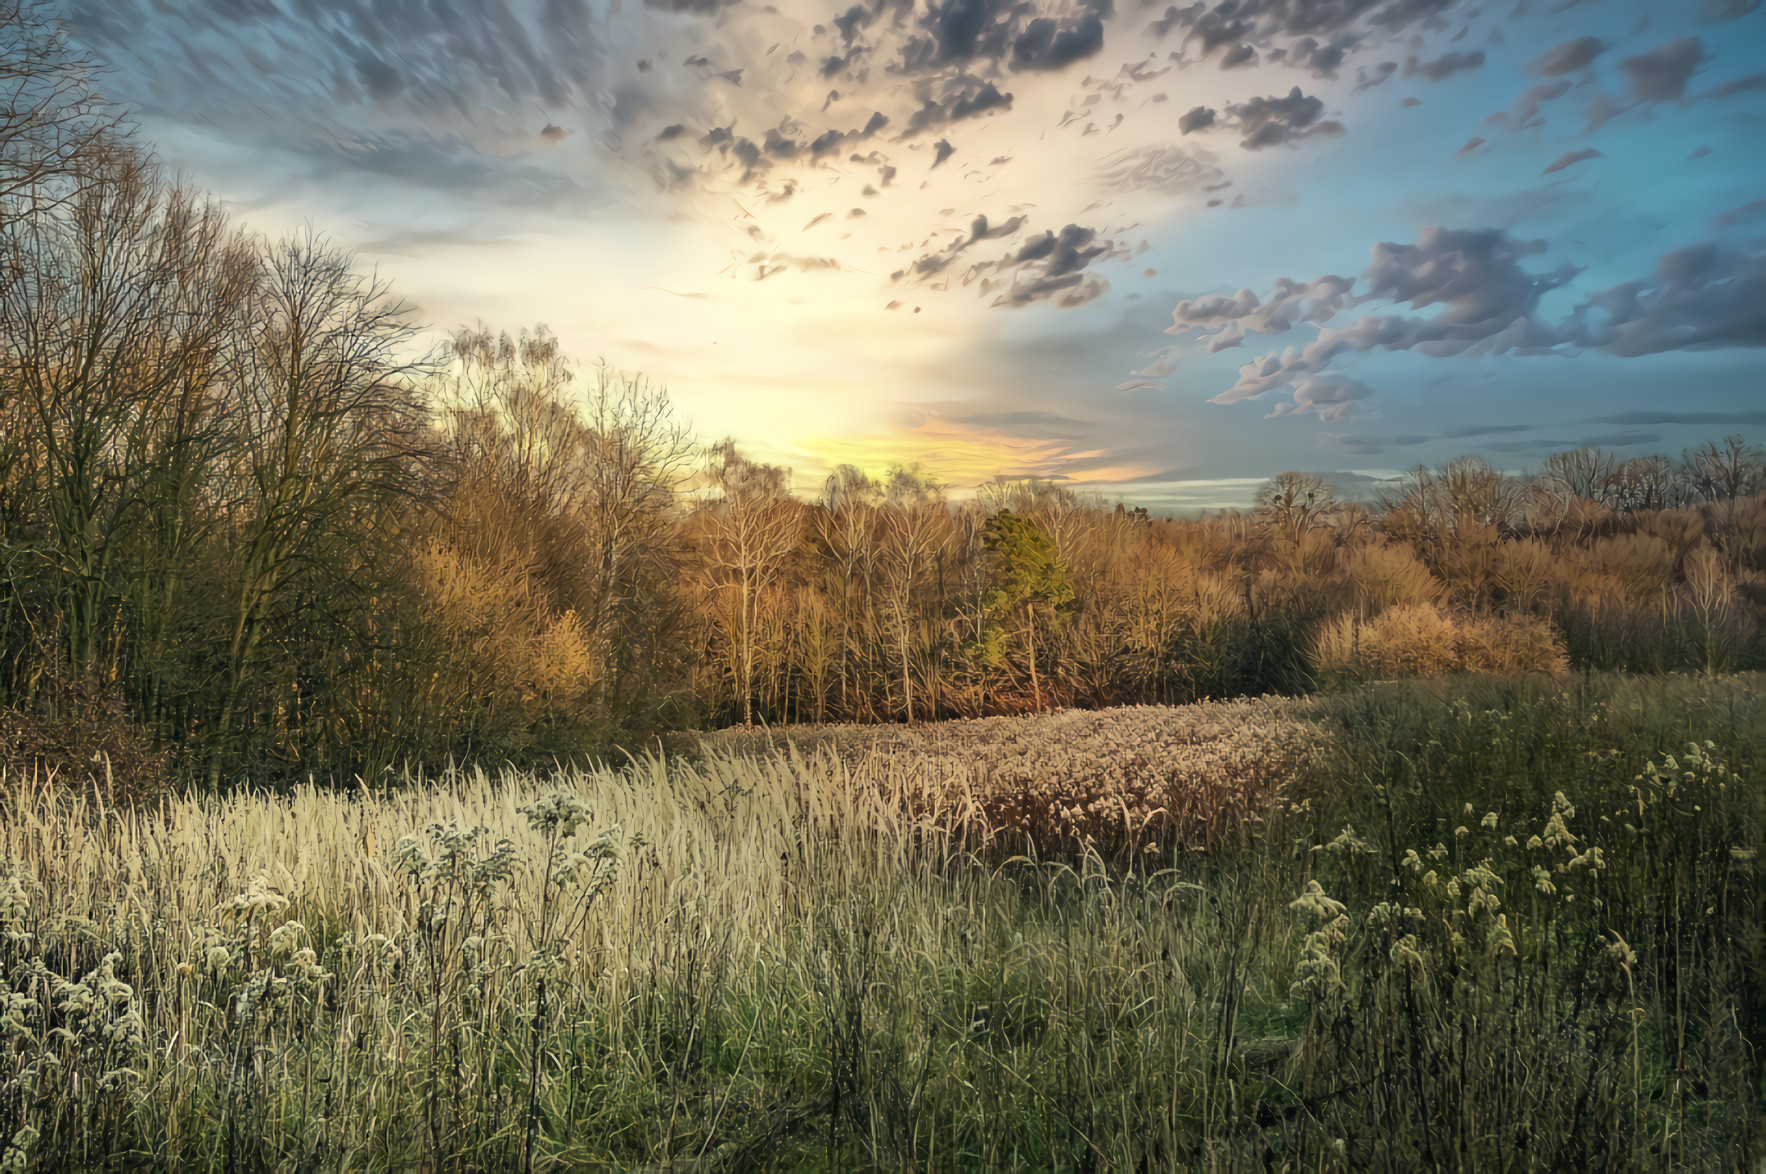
1155,251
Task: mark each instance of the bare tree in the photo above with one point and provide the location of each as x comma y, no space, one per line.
846,525
1292,503
50,117
752,530
115,343
326,439
1589,473
1723,472
916,531
636,457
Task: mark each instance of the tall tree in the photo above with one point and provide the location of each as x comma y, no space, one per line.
751,530
1030,593
324,454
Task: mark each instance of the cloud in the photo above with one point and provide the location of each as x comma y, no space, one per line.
1047,44
1569,57
1661,74
1240,54
984,32
1368,444
1746,214
1525,112
1545,446
1367,79
1329,397
1703,419
1741,85
1052,264
1488,300
1444,66
961,97
1571,157
1163,167
1198,118
1716,11
1292,303
1316,37
1040,425
1700,297
1279,121
1050,267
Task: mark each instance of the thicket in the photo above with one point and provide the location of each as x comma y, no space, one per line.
250,528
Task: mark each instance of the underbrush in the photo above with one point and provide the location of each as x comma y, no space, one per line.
1492,924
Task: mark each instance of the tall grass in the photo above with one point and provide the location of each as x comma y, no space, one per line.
764,962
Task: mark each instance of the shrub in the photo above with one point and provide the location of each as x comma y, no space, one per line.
1422,641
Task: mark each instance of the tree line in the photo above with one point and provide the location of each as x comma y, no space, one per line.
251,529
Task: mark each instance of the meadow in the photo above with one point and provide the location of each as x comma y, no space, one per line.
1469,923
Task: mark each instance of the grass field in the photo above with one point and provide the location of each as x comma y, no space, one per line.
1473,924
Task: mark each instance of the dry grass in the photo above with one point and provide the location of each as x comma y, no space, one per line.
1116,781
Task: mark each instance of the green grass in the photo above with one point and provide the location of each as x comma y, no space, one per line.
787,973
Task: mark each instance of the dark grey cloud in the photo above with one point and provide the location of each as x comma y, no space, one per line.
1197,118
952,100
1569,158
983,33
1569,57
1050,267
1488,299
1545,446
1742,85
1701,297
695,7
1524,114
1689,419
1661,74
1746,214
1318,37
1239,55
1053,264
1444,66
1040,425
1046,43
1367,79
1279,121
1370,444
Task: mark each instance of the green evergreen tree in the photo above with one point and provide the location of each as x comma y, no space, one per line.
1031,596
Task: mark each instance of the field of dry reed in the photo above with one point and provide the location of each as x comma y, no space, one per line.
1475,923
1115,781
